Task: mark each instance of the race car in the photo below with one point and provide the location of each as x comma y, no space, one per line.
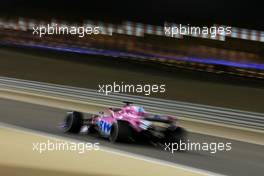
127,124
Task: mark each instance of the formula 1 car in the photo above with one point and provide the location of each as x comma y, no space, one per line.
127,124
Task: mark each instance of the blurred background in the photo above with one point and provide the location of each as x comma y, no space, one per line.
198,69
240,53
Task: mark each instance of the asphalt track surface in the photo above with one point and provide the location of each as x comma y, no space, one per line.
244,158
90,71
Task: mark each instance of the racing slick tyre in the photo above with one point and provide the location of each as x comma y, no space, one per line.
120,132
73,122
177,135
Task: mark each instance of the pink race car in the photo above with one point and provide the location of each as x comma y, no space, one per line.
127,124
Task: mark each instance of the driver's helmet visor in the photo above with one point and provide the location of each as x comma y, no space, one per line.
139,110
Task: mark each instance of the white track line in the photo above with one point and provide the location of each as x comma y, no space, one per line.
110,150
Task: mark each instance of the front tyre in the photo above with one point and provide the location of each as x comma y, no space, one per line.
120,132
73,122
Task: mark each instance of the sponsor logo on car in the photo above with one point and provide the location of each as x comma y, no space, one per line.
105,127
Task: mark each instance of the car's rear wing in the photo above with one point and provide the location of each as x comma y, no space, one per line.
160,118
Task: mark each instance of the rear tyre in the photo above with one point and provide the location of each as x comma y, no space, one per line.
120,132
73,122
177,135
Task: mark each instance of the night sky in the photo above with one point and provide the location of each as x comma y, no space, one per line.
242,13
